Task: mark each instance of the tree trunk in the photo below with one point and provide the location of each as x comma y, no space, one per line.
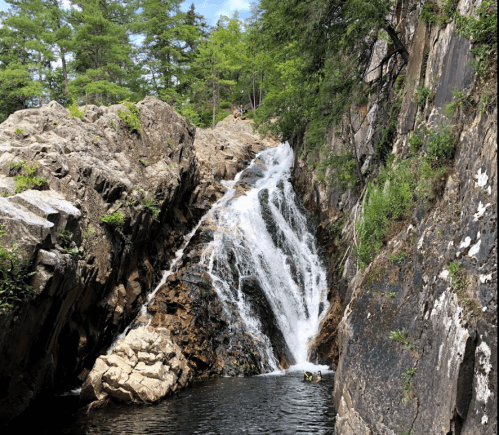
351,139
64,72
40,98
214,97
396,41
254,95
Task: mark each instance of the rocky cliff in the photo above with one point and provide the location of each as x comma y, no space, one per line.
413,335
103,208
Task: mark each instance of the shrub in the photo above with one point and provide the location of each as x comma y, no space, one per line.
74,110
481,30
401,336
115,219
131,117
422,94
26,177
429,13
398,258
14,275
387,198
440,143
150,205
459,100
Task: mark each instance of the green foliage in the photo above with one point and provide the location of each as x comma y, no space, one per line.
459,100
440,143
144,162
398,258
19,131
481,29
429,12
151,206
456,273
131,117
415,140
407,383
26,178
65,238
71,251
88,232
114,220
402,337
339,169
422,94
14,275
74,110
388,198
391,294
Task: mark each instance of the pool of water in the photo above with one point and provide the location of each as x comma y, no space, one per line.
267,404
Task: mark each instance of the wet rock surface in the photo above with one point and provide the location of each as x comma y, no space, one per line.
90,277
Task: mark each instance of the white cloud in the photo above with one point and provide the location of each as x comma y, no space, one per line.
231,6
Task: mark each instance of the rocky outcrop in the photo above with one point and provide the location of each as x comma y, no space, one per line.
143,367
91,277
413,341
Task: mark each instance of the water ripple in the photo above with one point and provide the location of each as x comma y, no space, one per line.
228,406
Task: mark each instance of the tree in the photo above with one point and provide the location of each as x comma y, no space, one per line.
218,58
101,50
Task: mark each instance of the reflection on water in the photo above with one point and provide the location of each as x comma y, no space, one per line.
269,404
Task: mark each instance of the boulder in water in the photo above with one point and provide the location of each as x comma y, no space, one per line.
144,366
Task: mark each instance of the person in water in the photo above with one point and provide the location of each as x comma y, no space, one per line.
308,376
319,377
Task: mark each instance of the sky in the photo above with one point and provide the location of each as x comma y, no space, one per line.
210,9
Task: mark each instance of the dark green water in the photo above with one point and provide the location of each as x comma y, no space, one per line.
271,404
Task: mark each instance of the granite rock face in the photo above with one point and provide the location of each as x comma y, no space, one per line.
91,278
444,379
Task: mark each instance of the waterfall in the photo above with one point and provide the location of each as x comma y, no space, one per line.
263,260
262,241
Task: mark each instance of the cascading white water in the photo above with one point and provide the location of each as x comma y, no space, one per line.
276,250
284,261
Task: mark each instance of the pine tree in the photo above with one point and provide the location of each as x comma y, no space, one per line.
101,50
24,55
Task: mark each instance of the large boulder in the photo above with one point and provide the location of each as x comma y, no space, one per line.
144,366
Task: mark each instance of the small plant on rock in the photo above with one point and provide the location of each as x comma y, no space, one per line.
151,206
65,238
457,275
401,336
19,131
131,117
26,177
88,232
398,258
422,94
74,110
71,251
407,383
114,220
14,275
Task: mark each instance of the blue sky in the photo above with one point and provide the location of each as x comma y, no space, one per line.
210,9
